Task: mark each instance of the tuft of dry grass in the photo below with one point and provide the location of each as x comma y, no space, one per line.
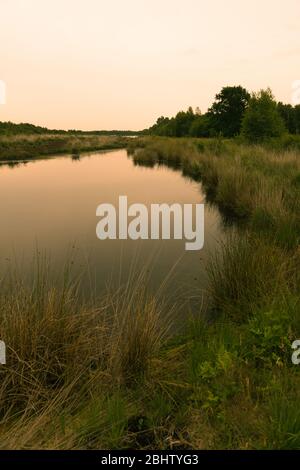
61,349
246,274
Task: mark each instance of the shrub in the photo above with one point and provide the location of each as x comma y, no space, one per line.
262,119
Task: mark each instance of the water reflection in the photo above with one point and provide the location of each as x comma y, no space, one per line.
51,203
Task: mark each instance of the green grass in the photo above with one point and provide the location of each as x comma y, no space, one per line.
113,376
110,374
255,184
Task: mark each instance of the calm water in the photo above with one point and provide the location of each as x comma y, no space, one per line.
51,204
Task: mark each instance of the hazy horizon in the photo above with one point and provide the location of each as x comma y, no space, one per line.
93,65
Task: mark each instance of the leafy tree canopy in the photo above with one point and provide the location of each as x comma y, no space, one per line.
228,110
262,119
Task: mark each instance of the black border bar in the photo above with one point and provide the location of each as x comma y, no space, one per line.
142,459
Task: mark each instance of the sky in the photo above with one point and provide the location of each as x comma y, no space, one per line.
120,64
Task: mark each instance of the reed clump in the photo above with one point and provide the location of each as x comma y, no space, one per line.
60,349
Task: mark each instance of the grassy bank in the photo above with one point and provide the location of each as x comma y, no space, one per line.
26,147
256,185
112,375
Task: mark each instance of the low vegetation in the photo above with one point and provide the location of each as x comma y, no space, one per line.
113,374
30,146
8,128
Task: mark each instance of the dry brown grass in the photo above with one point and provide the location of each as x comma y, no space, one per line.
61,351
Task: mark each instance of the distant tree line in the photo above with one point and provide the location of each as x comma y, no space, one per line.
235,111
9,128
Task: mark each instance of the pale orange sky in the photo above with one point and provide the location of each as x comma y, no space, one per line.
120,64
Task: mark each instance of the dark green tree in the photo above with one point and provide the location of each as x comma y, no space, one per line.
297,118
201,126
262,119
178,126
163,126
288,114
183,122
228,110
